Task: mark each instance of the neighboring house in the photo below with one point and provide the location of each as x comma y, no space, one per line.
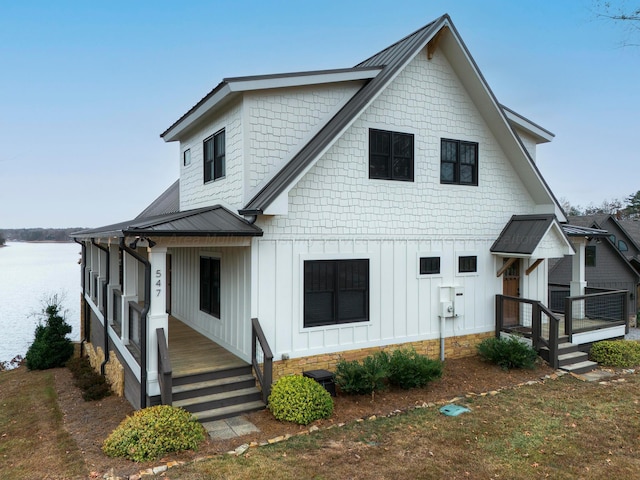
611,262
343,210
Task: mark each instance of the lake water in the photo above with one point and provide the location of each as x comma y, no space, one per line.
29,274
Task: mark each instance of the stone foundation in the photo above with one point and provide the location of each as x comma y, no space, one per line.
114,371
454,347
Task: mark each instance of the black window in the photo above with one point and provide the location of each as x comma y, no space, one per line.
467,264
210,285
458,162
429,265
335,291
390,155
590,256
186,157
214,156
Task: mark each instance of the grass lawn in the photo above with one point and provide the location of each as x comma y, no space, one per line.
33,441
564,429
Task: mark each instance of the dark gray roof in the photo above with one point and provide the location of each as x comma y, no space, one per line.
632,227
588,220
392,59
214,221
522,234
167,202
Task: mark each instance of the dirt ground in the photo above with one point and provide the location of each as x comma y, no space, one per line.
91,422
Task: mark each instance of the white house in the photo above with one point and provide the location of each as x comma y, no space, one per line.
346,210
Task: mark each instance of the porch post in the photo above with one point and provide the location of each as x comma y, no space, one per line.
157,317
578,279
129,292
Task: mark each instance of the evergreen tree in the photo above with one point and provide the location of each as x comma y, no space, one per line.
50,348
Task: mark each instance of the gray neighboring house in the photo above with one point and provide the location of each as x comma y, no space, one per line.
612,262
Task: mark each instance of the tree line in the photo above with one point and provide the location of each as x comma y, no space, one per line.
36,234
628,207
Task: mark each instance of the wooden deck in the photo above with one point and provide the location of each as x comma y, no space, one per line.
192,353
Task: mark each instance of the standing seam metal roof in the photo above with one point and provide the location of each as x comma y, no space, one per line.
394,57
522,234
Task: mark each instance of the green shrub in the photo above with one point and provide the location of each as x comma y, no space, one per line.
370,376
300,400
50,348
152,432
507,352
409,369
93,385
616,353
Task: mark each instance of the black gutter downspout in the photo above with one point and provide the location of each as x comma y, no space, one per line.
145,311
106,309
84,291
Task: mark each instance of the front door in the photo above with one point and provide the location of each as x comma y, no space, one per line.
511,288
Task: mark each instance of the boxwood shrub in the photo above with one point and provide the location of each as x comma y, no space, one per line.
507,352
616,353
300,400
408,369
152,432
369,376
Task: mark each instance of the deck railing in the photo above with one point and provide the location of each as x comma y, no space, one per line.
116,312
596,310
164,368
531,319
261,358
135,325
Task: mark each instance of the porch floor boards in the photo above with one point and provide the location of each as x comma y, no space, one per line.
192,353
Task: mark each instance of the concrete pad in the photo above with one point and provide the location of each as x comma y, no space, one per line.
229,428
595,375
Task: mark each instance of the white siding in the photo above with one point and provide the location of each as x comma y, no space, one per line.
403,305
233,329
528,141
228,191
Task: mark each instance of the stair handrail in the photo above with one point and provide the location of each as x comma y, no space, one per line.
264,374
554,332
164,368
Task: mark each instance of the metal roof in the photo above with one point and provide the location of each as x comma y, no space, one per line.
393,59
523,234
167,202
214,221
580,231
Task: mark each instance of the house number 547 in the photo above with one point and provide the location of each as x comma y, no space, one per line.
158,282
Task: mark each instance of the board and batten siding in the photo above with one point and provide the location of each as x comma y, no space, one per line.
233,329
404,305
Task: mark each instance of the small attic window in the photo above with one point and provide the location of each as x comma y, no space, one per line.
622,246
186,157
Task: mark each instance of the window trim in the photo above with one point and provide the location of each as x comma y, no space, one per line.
335,259
456,165
464,256
216,175
429,273
391,156
216,257
186,157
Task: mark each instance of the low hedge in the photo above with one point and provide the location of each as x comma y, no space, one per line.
616,353
508,352
300,400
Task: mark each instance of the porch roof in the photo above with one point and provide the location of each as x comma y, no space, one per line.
579,231
214,221
537,236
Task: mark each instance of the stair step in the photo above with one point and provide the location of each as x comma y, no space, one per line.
229,411
567,347
571,358
580,367
207,387
218,400
211,375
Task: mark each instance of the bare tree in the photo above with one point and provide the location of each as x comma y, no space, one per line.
624,13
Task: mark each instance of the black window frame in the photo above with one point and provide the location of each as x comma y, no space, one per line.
214,156
210,286
429,265
186,157
327,281
590,256
468,264
457,161
377,155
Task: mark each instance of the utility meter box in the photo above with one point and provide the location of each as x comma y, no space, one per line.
446,309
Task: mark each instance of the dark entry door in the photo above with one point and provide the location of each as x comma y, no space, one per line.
511,288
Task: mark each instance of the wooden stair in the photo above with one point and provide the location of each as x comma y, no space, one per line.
217,394
570,358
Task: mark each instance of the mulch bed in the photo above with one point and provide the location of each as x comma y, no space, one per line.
91,422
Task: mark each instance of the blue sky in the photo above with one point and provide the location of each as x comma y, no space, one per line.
87,87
